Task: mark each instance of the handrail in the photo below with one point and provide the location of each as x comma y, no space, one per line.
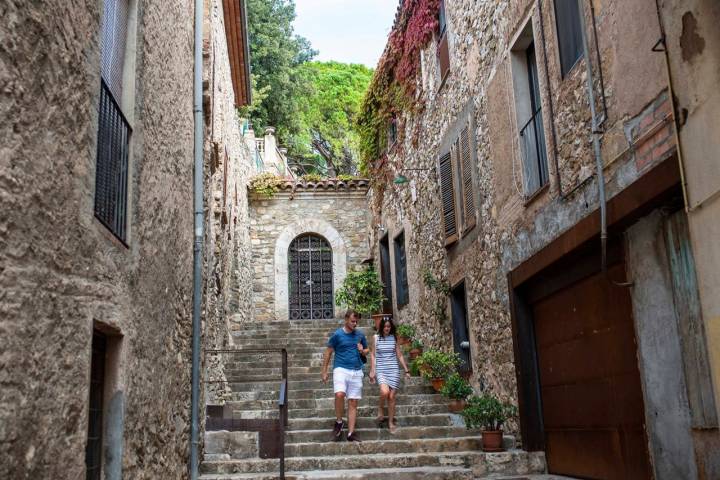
282,396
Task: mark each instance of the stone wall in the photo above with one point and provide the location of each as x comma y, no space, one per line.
64,273
341,216
511,227
228,163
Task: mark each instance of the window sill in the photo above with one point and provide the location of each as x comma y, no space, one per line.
535,195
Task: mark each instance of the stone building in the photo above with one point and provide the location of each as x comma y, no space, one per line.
96,170
526,109
306,232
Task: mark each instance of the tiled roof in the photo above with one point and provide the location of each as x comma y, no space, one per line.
328,184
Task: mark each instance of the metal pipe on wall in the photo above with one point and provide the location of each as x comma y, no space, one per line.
198,241
595,140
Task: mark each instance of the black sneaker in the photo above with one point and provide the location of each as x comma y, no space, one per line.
352,437
337,431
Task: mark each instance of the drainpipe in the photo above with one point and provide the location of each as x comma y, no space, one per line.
596,132
661,45
197,249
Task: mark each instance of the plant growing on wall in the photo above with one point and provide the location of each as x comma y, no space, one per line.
430,281
361,291
393,87
265,184
312,177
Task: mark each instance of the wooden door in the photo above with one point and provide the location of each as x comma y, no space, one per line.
592,403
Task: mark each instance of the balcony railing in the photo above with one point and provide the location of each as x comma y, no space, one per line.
532,142
111,175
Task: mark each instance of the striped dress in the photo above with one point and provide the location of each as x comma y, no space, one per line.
387,368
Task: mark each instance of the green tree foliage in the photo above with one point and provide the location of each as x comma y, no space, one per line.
275,55
327,137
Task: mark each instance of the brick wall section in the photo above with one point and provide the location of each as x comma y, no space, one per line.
62,270
345,210
511,228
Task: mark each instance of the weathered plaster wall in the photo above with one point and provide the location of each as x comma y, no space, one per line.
693,42
61,270
511,227
341,216
660,356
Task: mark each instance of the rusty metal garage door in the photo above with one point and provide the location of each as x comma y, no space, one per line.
592,404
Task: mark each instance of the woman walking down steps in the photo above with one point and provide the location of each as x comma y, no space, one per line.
386,359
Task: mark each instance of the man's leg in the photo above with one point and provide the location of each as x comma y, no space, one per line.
352,414
340,406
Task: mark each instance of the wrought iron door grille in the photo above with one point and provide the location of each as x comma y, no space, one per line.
111,175
310,278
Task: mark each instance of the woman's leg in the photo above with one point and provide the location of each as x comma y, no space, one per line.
384,394
391,409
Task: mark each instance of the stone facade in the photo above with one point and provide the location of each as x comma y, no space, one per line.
229,163
512,224
340,216
65,275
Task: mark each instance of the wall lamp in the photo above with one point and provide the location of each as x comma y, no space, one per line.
401,179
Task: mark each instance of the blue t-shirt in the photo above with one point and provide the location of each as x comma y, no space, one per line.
346,351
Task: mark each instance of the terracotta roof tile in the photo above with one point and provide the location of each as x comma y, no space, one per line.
324,185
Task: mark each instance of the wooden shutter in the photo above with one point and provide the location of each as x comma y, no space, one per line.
447,191
466,166
401,281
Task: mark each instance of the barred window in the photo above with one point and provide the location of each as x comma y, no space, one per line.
113,140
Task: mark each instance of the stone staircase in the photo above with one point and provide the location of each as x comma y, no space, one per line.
430,442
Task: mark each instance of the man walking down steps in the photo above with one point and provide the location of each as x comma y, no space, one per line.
349,345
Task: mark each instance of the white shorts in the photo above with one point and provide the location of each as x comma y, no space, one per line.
349,382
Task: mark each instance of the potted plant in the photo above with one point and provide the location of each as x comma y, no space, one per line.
416,349
489,414
436,366
361,291
405,333
457,389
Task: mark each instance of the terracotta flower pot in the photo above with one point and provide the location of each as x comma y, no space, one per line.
492,441
456,406
415,352
437,383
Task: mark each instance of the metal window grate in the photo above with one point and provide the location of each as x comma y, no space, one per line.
113,38
111,175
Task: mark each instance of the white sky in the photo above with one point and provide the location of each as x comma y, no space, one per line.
350,31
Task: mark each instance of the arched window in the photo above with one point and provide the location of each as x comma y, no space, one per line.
310,278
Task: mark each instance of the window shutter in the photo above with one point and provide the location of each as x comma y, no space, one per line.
444,56
448,199
466,163
403,294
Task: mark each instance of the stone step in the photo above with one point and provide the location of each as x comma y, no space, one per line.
402,433
363,411
313,382
369,447
431,420
328,403
302,324
420,473
371,390
508,463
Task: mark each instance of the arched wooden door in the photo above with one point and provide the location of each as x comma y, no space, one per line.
310,277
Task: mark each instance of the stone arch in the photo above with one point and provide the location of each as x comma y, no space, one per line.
289,233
